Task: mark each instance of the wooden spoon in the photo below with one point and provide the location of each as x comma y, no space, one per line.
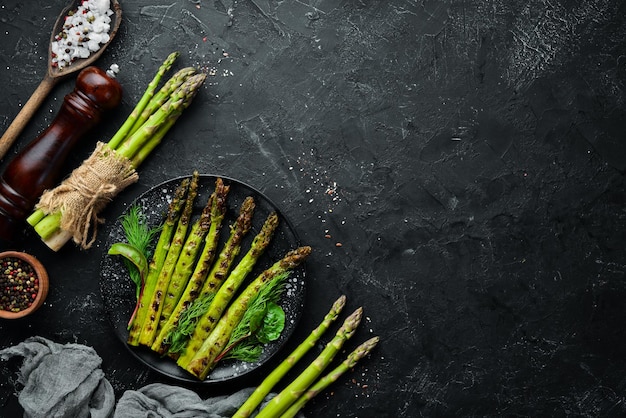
55,74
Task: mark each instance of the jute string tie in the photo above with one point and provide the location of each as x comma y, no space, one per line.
85,193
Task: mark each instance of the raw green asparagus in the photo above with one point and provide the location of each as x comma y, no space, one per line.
126,127
165,114
162,96
351,361
272,379
283,400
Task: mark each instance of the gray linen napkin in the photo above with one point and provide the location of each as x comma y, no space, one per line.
165,401
65,381
61,380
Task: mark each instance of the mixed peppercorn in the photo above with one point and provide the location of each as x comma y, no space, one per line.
19,285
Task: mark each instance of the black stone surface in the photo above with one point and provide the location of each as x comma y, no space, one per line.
457,166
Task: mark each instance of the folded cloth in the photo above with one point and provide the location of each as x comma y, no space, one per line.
61,380
165,401
65,381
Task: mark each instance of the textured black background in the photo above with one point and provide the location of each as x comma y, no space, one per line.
467,155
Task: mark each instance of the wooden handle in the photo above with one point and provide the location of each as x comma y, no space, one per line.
22,118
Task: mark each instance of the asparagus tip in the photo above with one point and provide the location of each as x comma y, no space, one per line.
339,304
365,348
352,322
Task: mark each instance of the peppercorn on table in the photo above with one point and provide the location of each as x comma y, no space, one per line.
457,169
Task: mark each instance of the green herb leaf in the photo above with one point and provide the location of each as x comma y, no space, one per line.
255,320
131,254
248,351
139,235
137,231
244,343
272,324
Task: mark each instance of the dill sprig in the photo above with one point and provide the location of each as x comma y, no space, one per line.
136,229
187,323
141,236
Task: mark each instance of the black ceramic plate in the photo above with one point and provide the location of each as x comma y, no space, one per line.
119,293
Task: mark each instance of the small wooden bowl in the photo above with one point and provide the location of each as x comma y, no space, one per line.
44,284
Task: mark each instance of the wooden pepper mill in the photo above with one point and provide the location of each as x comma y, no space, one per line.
37,167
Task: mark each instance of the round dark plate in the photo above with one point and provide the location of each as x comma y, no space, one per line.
118,291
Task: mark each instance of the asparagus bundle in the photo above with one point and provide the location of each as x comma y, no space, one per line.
70,211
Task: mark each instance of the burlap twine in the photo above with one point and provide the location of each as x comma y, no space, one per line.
86,192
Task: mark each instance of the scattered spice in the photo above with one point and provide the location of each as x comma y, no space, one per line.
19,285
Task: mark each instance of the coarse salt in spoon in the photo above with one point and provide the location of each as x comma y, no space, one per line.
57,72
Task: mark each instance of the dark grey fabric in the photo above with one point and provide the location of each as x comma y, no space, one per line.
61,380
165,401
66,381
